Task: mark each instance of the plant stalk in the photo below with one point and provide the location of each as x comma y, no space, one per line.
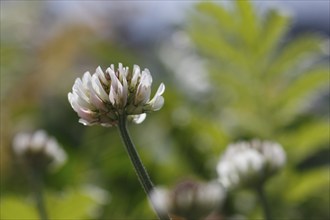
137,163
36,185
263,200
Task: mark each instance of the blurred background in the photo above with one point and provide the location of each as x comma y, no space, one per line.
233,70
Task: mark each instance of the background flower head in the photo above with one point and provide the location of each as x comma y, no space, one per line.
39,150
189,199
246,163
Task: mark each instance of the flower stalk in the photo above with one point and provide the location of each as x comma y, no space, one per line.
140,170
263,201
36,186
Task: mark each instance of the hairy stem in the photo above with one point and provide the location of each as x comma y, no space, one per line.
137,163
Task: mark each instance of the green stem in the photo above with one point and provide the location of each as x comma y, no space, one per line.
36,185
263,200
137,163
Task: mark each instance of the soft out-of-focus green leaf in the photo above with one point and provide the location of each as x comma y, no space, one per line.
15,207
306,184
226,21
274,27
305,140
249,25
214,45
292,99
295,53
71,204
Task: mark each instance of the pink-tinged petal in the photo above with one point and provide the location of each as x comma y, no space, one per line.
73,99
86,114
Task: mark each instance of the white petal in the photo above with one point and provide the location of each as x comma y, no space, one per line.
136,75
138,119
158,103
38,140
99,72
124,93
118,92
143,92
80,89
122,71
85,79
146,78
112,96
20,143
160,90
98,88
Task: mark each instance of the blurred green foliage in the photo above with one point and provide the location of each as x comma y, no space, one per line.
263,85
267,83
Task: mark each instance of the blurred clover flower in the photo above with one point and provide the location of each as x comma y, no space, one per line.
39,150
190,200
102,97
249,163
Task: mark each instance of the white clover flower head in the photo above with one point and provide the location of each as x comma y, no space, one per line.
39,149
101,97
246,163
189,199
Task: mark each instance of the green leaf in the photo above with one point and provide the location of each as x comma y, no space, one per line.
293,99
224,19
249,27
71,204
304,185
214,45
273,29
305,140
295,53
15,207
